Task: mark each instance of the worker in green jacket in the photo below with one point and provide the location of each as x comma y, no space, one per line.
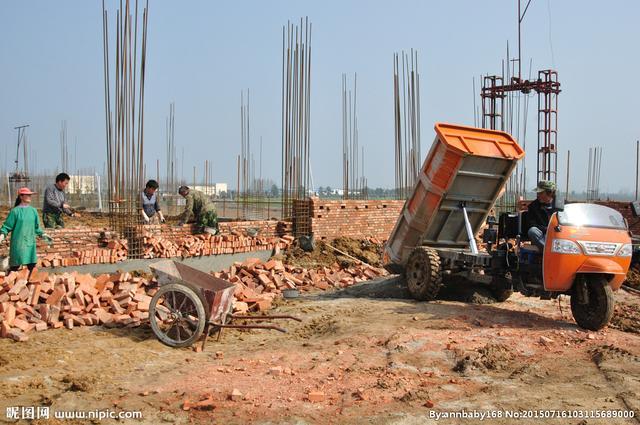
24,226
199,209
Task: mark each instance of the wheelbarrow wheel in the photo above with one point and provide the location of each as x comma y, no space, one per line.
178,314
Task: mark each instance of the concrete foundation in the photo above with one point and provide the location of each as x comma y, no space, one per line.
205,263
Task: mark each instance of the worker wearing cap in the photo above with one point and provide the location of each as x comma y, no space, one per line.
199,209
24,225
150,211
55,202
539,212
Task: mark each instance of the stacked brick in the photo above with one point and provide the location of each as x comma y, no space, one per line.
78,246
42,301
235,237
112,251
205,244
331,219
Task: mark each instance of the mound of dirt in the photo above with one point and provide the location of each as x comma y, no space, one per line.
363,250
80,383
490,357
626,317
323,255
324,325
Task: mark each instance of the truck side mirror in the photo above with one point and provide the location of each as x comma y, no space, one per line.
635,208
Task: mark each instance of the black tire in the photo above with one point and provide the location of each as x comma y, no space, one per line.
501,289
185,328
423,274
596,314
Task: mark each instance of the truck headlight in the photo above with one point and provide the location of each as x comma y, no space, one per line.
565,246
626,250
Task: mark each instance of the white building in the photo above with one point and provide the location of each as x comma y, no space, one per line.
82,185
212,190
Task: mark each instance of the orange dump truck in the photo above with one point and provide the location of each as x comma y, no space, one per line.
588,247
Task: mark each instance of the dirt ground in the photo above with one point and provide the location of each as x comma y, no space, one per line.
377,357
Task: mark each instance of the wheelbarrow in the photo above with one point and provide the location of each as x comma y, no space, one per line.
190,303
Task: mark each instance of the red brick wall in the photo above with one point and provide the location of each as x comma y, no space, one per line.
331,219
75,246
86,245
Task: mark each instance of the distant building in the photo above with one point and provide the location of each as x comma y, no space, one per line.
212,190
221,188
82,185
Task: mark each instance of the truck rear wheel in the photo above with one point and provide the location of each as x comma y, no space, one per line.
423,274
596,313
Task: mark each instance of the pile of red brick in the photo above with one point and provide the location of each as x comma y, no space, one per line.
206,244
258,283
53,301
43,300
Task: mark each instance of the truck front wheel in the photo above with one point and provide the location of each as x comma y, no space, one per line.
596,312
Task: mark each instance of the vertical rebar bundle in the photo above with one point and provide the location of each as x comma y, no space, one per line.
64,148
406,111
245,151
593,173
172,159
353,180
296,112
124,117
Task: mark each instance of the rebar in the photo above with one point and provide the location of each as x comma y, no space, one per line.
296,114
407,122
124,118
353,180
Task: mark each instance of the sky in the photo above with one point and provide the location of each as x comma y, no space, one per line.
202,54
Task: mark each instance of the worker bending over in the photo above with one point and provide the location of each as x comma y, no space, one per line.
539,212
198,209
150,211
55,202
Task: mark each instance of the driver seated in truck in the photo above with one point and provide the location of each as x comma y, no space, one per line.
539,212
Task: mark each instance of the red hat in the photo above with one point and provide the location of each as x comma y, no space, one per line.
25,191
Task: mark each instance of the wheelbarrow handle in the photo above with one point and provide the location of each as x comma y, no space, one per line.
264,317
273,327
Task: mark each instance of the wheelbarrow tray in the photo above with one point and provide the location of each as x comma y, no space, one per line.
218,293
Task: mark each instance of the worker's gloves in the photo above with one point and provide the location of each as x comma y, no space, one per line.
2,237
162,220
47,239
145,217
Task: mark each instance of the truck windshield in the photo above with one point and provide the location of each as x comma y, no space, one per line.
591,215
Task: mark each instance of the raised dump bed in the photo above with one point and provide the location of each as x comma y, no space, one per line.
465,165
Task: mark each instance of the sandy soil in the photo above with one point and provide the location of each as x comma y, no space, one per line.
377,356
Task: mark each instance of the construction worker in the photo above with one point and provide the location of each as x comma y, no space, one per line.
55,203
24,225
150,211
539,212
199,209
